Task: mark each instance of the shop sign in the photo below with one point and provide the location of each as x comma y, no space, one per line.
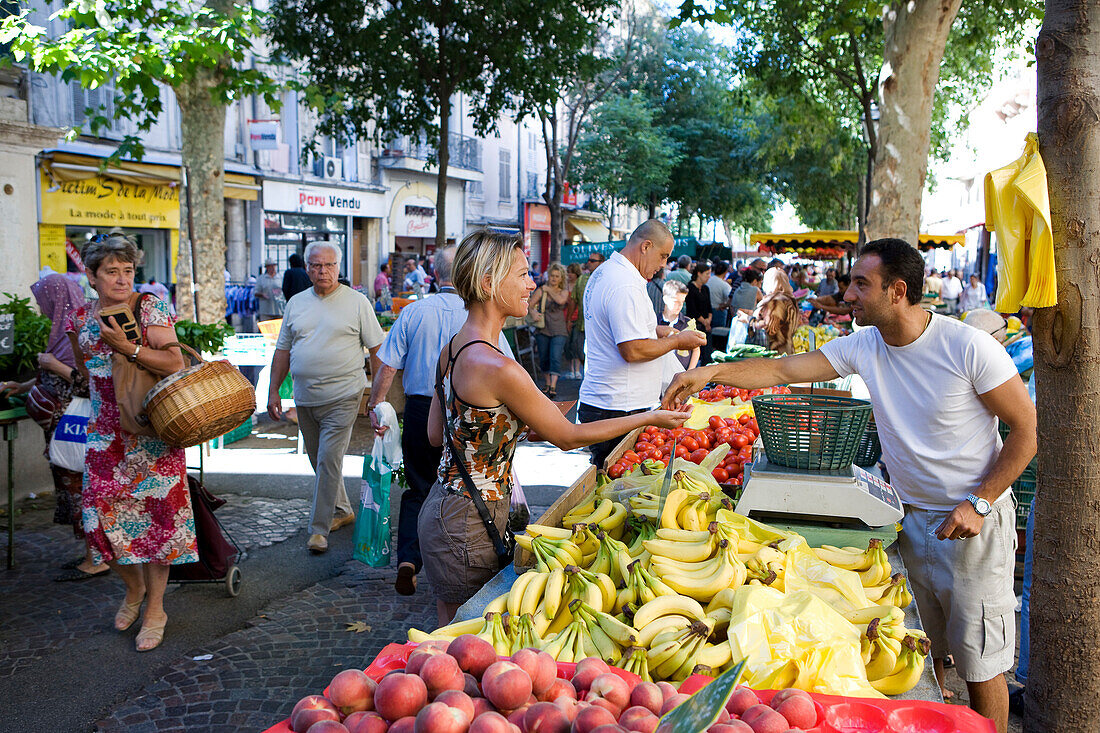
300,199
538,218
263,134
107,202
416,218
7,333
51,247
569,196
74,255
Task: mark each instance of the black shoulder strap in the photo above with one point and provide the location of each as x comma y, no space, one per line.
467,481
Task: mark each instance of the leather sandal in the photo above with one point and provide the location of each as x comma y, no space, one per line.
150,633
127,614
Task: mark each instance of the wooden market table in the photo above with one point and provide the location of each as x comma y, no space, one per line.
9,425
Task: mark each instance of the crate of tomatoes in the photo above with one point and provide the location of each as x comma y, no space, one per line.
653,447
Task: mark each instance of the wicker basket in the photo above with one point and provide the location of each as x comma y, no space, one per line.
199,403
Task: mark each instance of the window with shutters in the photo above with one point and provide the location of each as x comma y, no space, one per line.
88,102
505,175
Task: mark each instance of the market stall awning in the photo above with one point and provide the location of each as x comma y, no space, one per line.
842,239
590,229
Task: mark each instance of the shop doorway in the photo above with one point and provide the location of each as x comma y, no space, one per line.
155,245
287,234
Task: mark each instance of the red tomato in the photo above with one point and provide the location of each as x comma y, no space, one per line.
744,419
723,434
642,446
689,443
697,457
743,394
616,471
732,422
702,439
632,457
681,451
678,433
658,440
734,468
720,475
652,430
741,441
716,422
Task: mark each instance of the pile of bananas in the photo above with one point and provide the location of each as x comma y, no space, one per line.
652,588
822,335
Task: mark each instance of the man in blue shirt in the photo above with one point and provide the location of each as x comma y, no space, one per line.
414,343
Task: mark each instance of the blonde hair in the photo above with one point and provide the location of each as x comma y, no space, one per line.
781,318
483,252
557,267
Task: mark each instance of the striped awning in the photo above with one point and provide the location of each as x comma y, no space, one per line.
843,239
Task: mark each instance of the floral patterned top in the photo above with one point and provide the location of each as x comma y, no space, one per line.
487,437
137,506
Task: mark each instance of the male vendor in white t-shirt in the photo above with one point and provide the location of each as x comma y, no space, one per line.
937,387
623,344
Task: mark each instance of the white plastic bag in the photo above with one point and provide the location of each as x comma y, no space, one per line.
372,525
71,435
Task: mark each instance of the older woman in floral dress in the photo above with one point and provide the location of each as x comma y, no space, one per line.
137,509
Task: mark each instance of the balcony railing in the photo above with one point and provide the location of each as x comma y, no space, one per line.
465,151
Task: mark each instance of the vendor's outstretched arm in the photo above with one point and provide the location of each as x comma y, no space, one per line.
751,374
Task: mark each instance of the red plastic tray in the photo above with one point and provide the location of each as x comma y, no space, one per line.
836,714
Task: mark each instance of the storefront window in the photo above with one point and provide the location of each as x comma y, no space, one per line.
286,234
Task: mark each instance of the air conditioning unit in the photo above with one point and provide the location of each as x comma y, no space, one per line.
333,168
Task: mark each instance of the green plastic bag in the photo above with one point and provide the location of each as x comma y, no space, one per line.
372,526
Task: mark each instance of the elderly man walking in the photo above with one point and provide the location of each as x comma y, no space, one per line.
324,332
413,344
624,344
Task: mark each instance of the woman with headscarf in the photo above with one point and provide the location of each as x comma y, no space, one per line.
48,395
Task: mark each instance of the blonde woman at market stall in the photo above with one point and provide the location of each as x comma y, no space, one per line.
487,401
137,509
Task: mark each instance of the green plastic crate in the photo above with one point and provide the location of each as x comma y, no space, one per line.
817,432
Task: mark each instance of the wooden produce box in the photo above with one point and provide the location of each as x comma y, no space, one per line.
624,445
553,516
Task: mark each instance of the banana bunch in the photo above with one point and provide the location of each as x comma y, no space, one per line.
907,669
766,566
702,580
884,619
634,660
640,587
446,633
595,589
527,592
674,653
610,558
639,530
871,564
607,514
648,467
893,592
523,634
551,553
590,633
664,613
495,631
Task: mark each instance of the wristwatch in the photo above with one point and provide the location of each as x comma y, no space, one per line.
133,357
981,506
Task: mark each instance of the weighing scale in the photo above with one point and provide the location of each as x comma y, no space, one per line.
845,497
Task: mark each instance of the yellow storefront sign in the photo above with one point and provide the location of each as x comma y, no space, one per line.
105,202
51,246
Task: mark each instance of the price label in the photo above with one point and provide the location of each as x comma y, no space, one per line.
7,333
701,710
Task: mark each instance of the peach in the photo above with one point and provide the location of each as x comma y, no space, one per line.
799,711
762,719
667,689
400,696
311,709
420,655
648,695
351,691
441,673
779,697
570,706
490,722
592,717
438,717
474,654
640,719
403,725
558,688
506,685
459,700
610,728
611,687
741,700
328,726
515,717
733,726
481,705
366,722
540,665
607,705
673,702
470,685
545,717
587,670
